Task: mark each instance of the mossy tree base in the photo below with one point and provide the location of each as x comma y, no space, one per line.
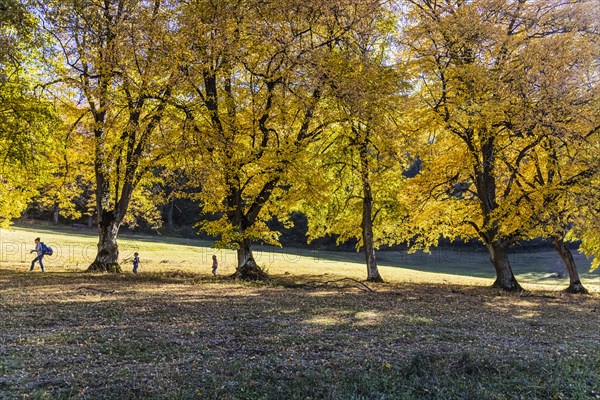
113,268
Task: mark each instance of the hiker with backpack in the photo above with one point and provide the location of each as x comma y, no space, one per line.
40,249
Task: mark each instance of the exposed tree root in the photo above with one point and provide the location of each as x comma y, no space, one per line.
529,294
317,284
96,290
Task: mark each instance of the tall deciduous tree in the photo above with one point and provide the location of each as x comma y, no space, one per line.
467,54
556,98
355,172
259,72
116,61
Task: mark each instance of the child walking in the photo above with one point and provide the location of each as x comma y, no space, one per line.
136,262
215,265
40,254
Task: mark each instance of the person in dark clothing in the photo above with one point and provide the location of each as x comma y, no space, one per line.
136,262
40,255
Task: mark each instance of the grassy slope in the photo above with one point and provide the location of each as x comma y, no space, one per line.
75,250
174,332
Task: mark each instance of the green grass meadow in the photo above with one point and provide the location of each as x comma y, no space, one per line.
434,330
75,249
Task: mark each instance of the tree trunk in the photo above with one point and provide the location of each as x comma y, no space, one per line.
107,259
56,210
372,270
485,182
170,209
367,234
367,216
247,268
90,222
505,278
575,285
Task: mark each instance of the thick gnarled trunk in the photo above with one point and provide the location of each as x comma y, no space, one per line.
107,258
575,285
247,268
505,279
485,182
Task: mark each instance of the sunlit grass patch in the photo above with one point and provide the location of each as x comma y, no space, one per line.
324,321
171,259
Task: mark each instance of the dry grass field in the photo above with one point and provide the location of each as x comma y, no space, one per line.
175,332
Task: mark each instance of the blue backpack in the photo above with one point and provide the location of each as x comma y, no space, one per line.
47,250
